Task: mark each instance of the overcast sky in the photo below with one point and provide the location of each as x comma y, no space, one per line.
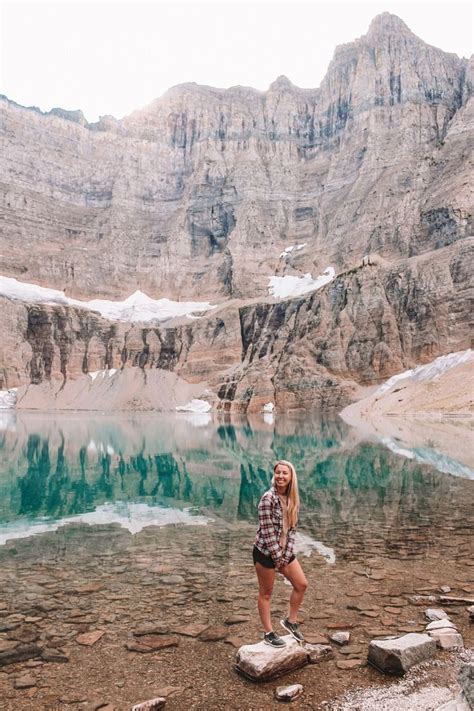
110,58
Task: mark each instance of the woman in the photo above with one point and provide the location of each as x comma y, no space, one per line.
273,550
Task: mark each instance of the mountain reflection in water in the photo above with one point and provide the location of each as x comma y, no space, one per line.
356,496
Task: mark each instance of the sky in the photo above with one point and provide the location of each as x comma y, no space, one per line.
107,57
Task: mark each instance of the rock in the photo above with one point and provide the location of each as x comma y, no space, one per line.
450,600
315,639
236,642
447,638
466,680
470,610
89,638
397,656
50,654
213,634
89,588
151,628
150,705
445,589
288,693
260,662
193,630
350,664
443,624
340,637
435,613
318,652
24,634
19,653
24,682
151,643
236,620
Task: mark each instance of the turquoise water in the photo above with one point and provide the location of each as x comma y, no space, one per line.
357,496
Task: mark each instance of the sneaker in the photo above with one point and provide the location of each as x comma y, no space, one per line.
293,629
273,640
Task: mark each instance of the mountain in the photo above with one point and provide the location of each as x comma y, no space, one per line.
201,195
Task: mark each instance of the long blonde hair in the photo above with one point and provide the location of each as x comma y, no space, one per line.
292,492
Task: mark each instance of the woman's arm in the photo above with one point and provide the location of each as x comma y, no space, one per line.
290,545
268,530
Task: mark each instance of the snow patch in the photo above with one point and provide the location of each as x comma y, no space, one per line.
287,251
430,371
102,373
133,517
425,455
8,399
269,407
137,307
195,406
289,286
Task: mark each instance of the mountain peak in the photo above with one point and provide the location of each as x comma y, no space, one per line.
386,23
281,83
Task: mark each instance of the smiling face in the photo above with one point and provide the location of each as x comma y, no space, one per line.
282,477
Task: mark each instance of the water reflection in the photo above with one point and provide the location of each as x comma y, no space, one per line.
356,495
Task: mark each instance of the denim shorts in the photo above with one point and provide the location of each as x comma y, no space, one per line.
265,560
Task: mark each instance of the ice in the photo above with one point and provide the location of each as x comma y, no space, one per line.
8,399
133,517
269,407
289,286
195,405
287,251
137,307
304,545
426,455
430,371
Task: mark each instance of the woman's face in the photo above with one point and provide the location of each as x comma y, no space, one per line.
282,477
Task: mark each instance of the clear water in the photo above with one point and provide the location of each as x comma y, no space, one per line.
358,498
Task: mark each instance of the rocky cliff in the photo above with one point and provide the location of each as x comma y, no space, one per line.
311,352
199,192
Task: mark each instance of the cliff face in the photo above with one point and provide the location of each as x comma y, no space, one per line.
199,193
311,352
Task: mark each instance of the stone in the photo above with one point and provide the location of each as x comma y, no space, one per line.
466,680
89,588
315,638
470,610
397,656
24,682
50,654
236,620
435,613
214,634
24,634
318,652
151,628
152,643
342,637
89,638
445,623
193,630
19,653
445,589
288,693
350,664
150,705
236,642
447,638
260,662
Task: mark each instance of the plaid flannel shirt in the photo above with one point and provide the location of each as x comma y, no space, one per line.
270,519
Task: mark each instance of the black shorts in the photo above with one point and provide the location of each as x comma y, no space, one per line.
265,560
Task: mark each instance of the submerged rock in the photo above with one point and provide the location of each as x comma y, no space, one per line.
260,662
397,656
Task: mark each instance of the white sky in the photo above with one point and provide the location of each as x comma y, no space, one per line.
111,58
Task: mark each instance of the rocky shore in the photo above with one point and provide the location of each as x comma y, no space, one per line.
95,618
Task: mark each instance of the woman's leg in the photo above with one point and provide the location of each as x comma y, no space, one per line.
266,578
294,573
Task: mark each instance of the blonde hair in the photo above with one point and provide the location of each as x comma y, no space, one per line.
292,492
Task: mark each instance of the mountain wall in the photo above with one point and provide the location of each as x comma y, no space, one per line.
198,193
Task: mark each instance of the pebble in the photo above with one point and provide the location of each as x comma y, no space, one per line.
340,637
288,693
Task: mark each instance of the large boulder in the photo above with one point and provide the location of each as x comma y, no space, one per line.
466,679
260,662
398,655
